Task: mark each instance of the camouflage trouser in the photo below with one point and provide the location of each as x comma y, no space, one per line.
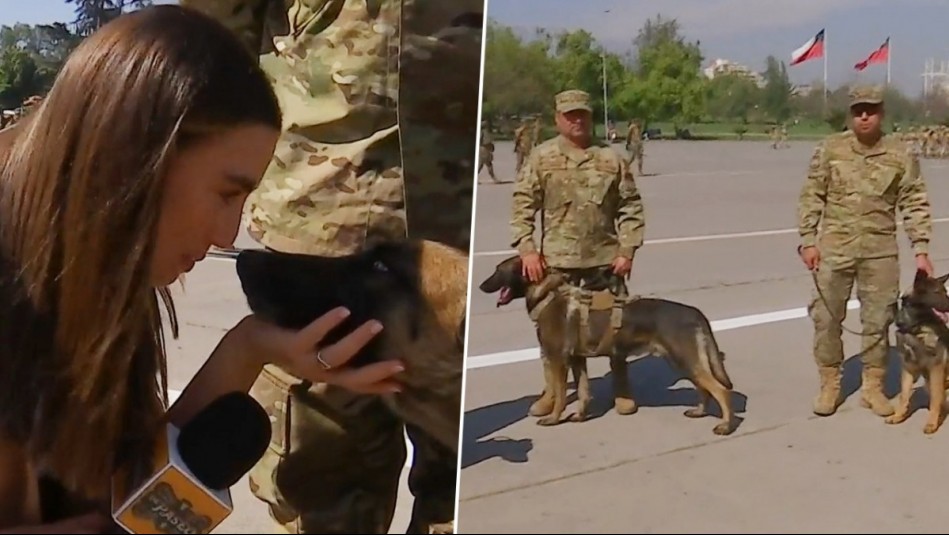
877,282
335,459
520,157
635,154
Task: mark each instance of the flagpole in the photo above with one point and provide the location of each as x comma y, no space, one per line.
889,54
825,73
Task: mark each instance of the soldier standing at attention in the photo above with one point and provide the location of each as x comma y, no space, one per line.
592,219
486,155
371,149
855,182
634,145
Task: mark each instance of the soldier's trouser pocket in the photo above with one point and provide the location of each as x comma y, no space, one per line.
333,465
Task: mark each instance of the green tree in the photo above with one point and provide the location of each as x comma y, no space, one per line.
732,97
519,78
18,76
776,100
92,14
30,58
667,84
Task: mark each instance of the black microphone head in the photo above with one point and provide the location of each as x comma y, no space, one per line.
225,440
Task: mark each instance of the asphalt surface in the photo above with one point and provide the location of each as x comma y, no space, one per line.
784,469
210,303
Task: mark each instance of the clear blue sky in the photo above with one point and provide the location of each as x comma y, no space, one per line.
747,31
42,11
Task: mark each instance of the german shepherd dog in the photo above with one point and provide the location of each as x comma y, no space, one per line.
678,332
923,341
416,289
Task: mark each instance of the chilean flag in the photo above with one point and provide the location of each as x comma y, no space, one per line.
880,55
812,49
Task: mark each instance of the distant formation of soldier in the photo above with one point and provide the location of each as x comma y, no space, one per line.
928,141
9,119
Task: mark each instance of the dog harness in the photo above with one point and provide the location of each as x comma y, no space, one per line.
581,302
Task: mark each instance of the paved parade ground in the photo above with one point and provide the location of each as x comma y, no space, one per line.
720,230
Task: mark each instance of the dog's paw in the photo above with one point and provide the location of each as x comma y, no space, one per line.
723,429
578,417
548,421
625,406
894,419
930,428
695,412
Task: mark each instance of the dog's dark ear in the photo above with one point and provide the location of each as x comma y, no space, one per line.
942,280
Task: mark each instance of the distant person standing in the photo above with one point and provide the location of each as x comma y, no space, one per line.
855,182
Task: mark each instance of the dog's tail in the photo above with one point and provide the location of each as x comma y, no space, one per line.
716,360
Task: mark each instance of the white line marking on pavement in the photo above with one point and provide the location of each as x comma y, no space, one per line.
707,237
174,394
524,355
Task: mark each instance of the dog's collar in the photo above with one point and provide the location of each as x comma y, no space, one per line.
541,305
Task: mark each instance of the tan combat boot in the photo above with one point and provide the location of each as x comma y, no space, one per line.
828,399
871,392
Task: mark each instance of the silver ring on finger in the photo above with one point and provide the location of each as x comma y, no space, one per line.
319,358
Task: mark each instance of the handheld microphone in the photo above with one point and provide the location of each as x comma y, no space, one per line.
187,489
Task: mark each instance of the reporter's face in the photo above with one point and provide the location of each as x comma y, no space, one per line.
205,190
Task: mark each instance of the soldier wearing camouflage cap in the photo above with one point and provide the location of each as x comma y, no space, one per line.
592,219
856,180
372,149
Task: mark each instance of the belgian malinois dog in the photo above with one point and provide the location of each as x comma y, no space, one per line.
923,341
416,289
678,332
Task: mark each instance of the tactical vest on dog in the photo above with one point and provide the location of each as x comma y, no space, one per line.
579,305
580,301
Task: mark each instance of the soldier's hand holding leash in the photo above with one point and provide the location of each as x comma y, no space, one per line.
923,263
622,266
810,256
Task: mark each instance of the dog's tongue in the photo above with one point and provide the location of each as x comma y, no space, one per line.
944,316
504,297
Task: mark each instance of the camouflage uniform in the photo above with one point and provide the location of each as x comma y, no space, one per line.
522,148
486,154
535,132
371,144
853,191
591,210
634,145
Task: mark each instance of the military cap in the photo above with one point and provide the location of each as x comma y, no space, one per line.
573,99
866,95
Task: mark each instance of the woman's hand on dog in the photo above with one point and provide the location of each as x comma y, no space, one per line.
294,352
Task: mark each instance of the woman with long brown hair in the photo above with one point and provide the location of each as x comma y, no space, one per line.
134,165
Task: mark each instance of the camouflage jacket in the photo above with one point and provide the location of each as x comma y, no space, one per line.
633,134
851,194
371,146
591,209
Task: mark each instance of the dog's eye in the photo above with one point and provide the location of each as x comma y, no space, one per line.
378,265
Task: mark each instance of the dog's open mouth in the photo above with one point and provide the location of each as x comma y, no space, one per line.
943,316
505,296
